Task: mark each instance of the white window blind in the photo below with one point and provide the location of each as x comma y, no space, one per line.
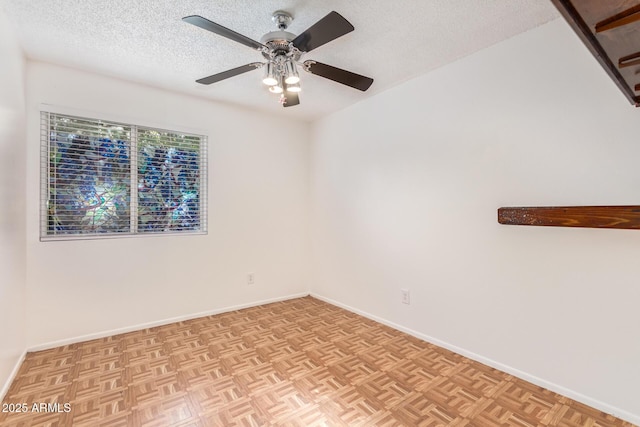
103,179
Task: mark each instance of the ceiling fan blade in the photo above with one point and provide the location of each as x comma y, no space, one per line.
290,99
229,73
339,75
328,28
204,23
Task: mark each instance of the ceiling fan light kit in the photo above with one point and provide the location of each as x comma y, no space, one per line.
278,87
282,51
293,87
269,75
291,73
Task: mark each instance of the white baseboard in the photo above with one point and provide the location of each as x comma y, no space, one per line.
609,409
12,375
579,397
138,327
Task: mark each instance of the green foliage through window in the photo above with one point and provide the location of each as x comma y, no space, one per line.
102,177
168,181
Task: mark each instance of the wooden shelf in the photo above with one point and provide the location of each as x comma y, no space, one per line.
625,217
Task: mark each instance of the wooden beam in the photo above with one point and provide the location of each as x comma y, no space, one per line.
629,60
573,18
637,87
626,217
618,20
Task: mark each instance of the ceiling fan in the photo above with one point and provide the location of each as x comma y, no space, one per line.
283,50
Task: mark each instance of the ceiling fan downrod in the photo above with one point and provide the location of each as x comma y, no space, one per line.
282,19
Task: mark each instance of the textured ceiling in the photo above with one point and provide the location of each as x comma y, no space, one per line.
146,41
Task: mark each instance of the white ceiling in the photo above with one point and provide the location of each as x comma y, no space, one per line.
146,41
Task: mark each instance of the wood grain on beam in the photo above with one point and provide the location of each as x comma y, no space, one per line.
626,217
618,20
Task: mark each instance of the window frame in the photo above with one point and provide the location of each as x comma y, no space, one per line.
46,110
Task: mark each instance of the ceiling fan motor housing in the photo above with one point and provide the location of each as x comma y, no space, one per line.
279,43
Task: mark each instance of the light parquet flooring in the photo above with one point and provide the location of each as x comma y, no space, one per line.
301,362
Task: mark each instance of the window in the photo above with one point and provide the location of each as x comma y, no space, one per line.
101,178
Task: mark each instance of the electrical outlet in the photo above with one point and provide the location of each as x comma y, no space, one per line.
405,296
251,278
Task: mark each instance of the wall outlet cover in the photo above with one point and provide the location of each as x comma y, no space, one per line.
406,298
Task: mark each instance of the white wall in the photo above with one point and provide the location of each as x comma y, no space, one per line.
404,192
258,198
12,194
405,188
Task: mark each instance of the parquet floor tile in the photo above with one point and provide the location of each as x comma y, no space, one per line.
296,363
